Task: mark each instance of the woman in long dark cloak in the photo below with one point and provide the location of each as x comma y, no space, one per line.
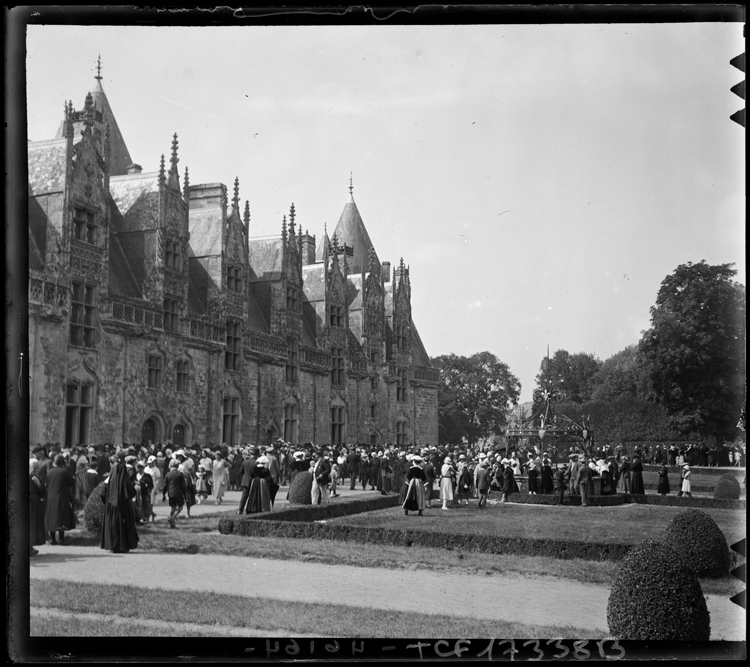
119,533
385,477
59,514
636,476
37,492
262,488
548,482
663,488
414,497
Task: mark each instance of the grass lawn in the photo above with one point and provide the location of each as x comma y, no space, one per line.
268,615
622,524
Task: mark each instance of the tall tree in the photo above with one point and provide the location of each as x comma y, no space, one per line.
696,347
568,376
625,373
474,396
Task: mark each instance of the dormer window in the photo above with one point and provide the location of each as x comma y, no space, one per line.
234,279
401,338
336,316
85,224
172,255
292,299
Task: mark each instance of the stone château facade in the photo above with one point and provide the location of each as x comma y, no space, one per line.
154,314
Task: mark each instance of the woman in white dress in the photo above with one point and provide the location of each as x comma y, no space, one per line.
220,477
686,481
446,483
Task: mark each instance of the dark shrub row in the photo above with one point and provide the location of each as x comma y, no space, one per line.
545,499
728,488
684,501
402,537
321,512
739,473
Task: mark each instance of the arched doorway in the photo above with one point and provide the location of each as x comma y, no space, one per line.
148,432
178,436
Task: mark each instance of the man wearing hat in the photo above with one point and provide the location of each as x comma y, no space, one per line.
482,481
560,476
321,478
352,465
375,463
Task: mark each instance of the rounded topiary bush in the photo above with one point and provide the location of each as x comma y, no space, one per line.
93,511
697,536
300,490
655,595
727,487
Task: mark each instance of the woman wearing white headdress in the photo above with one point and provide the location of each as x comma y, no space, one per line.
414,499
446,483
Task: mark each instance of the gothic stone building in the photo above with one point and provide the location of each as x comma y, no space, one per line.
154,314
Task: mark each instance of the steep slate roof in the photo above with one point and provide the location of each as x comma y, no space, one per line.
265,257
307,335
47,162
313,282
255,319
197,278
120,158
37,233
322,249
121,278
418,353
136,199
354,291
351,231
206,227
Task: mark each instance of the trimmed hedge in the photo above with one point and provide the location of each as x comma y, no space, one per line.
93,511
562,549
727,488
713,471
313,512
655,595
550,499
685,501
300,490
696,535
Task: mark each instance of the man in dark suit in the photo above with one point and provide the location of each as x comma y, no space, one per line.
247,469
352,463
321,478
375,462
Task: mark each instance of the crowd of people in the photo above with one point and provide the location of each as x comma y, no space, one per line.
136,477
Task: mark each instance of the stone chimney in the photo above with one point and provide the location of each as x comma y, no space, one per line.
385,272
308,249
134,169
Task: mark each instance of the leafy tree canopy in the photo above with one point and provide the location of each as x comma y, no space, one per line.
695,347
474,396
568,377
623,374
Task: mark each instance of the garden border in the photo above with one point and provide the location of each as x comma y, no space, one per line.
562,549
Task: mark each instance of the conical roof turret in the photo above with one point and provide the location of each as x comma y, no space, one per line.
351,231
321,252
119,159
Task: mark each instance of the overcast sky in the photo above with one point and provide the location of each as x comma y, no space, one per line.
540,181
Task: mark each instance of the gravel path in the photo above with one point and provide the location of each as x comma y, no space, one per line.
498,597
